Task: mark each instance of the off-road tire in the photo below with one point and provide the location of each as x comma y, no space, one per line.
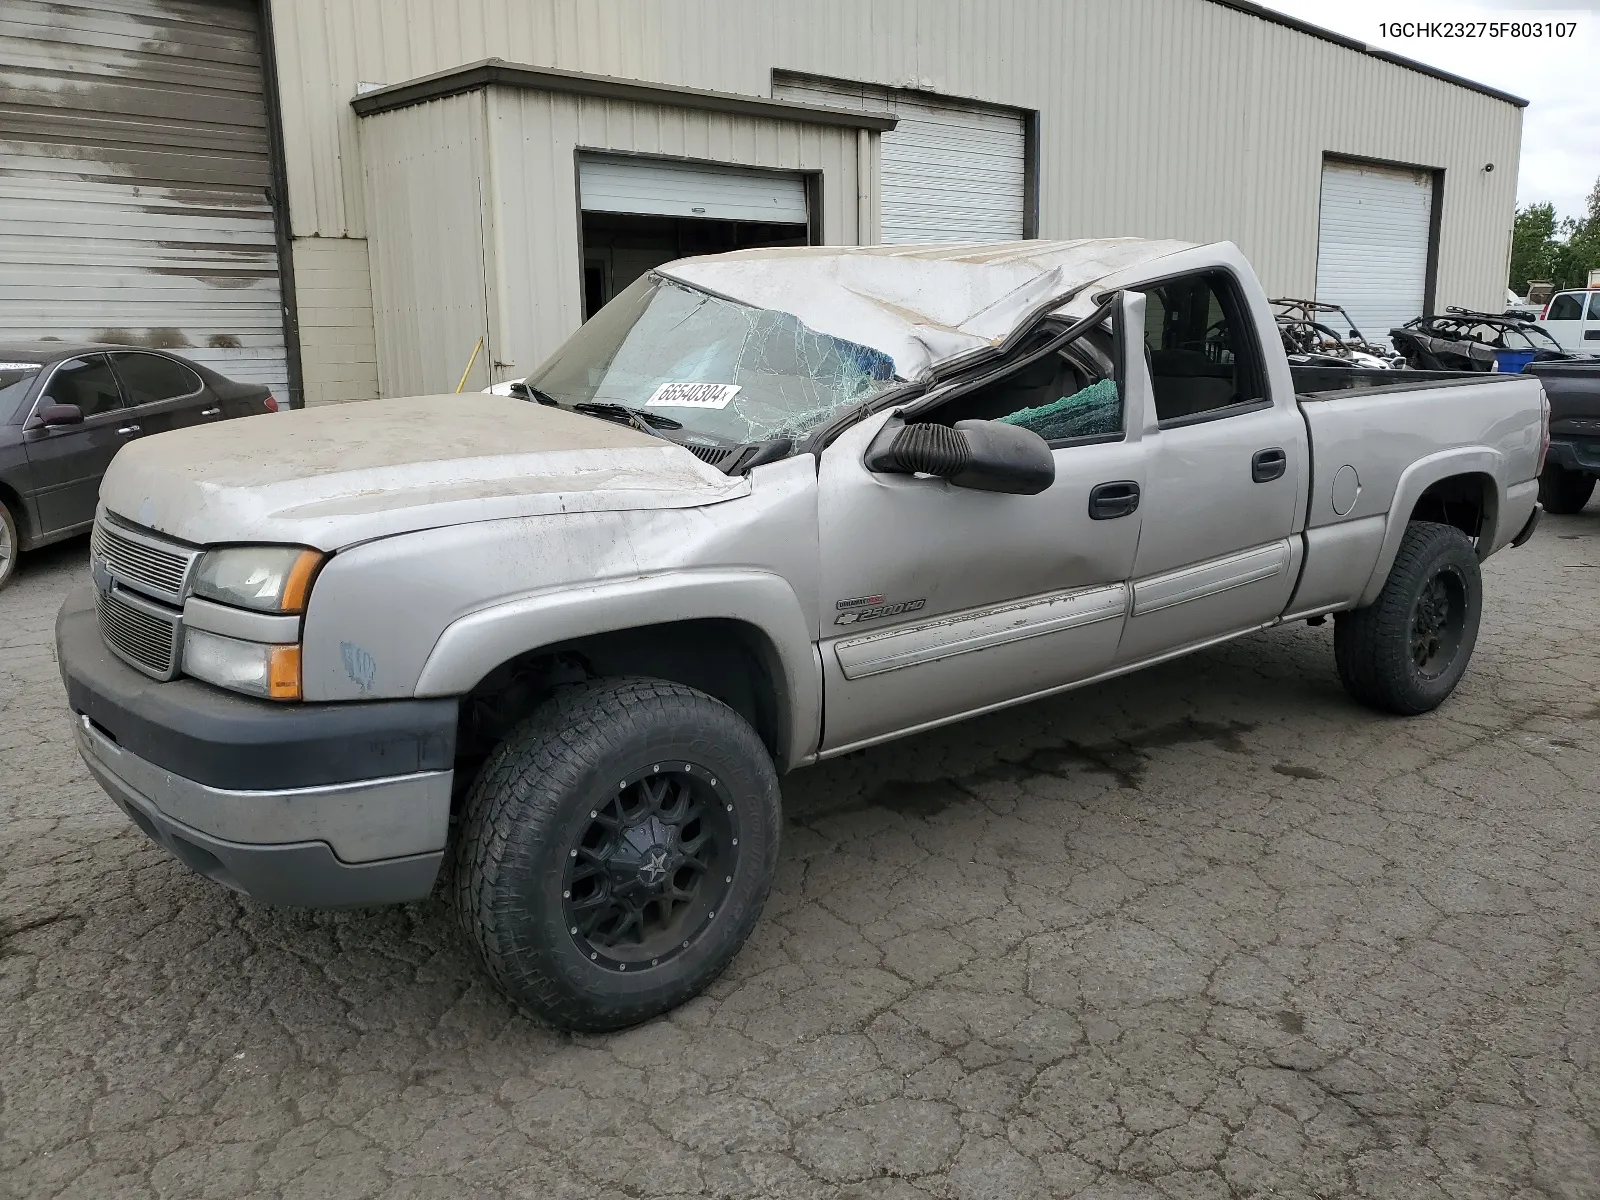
10,545
1373,646
1563,491
530,802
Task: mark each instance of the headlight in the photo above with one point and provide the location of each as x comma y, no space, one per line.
266,578
255,668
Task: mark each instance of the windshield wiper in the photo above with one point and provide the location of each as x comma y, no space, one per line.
524,390
645,422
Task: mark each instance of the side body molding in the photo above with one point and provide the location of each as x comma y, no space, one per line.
1418,478
1209,578
965,632
475,644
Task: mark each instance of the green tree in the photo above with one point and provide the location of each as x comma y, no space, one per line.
1563,252
1581,248
1533,243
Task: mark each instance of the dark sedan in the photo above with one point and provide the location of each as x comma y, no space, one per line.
65,411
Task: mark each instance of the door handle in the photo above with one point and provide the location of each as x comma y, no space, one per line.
1269,464
210,412
1108,501
127,429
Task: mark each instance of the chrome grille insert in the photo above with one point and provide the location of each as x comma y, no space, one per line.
139,632
143,560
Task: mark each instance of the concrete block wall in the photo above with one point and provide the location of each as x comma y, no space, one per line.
338,347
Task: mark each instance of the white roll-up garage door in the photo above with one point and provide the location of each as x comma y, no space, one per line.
952,172
1372,243
134,177
666,188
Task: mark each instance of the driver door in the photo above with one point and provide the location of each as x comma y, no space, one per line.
939,602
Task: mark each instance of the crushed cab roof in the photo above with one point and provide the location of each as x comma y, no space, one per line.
920,304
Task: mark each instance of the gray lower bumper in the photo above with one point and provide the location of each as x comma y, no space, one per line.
1575,456
376,841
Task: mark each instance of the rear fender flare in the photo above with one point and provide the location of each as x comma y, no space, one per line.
473,645
1417,479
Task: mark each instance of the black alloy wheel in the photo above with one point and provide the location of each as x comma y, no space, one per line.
651,867
1438,621
615,850
1406,652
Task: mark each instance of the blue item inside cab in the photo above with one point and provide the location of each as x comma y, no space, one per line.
1511,362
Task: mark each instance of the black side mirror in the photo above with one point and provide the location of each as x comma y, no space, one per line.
986,456
52,415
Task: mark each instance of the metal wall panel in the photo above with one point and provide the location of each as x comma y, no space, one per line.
1162,118
425,174
662,187
533,228
134,168
475,229
952,172
1372,243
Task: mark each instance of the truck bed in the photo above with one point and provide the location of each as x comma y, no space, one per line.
1498,415
1373,434
1332,383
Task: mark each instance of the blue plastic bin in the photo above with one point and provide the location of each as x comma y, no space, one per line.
1511,362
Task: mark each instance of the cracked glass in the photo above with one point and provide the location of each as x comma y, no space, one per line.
777,376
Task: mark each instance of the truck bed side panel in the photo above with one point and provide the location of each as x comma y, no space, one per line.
1374,453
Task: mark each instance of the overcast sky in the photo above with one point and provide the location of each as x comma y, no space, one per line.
1559,78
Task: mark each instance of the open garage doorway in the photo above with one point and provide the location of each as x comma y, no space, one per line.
620,247
639,212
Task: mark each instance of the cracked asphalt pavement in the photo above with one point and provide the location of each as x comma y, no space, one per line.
1207,931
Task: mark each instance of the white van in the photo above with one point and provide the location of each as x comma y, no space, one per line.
1573,319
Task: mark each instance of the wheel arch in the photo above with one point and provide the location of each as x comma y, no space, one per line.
12,499
741,636
1461,487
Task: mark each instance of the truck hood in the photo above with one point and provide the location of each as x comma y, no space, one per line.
333,476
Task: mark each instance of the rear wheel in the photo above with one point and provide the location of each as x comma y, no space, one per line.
1563,491
1406,653
10,544
616,851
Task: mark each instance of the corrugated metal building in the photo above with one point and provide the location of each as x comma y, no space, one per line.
137,187
461,170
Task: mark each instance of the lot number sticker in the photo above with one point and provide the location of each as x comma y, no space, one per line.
693,395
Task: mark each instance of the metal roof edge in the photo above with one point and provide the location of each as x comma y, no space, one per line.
497,72
1339,39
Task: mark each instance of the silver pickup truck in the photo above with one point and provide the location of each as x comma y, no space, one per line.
763,509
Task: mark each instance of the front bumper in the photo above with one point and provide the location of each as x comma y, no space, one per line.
320,805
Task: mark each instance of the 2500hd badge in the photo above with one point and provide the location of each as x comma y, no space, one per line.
870,608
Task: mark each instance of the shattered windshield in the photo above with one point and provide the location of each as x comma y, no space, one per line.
714,366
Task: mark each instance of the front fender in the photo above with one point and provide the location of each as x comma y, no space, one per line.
1423,474
475,644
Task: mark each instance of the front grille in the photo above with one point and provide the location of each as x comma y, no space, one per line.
148,641
141,561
